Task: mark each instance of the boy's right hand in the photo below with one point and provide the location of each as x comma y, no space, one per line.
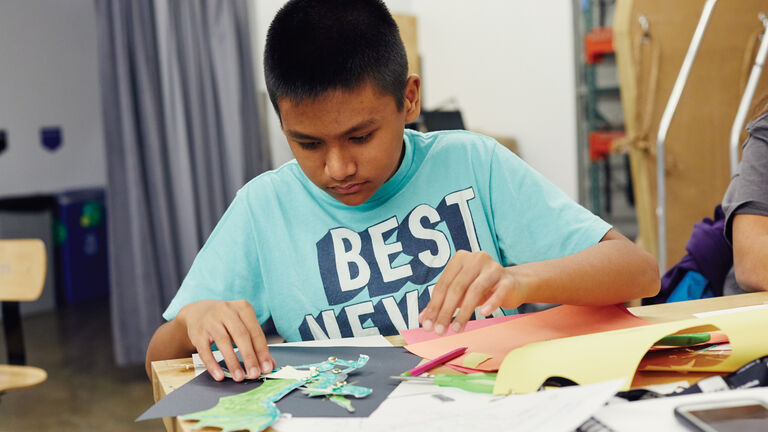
225,323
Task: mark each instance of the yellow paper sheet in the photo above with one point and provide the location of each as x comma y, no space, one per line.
472,360
616,354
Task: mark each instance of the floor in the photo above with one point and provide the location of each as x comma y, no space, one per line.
85,391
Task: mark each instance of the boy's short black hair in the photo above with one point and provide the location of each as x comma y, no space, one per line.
314,46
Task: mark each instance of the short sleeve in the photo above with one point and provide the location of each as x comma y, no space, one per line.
534,219
227,266
748,190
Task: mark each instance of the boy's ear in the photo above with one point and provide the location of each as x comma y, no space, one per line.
412,98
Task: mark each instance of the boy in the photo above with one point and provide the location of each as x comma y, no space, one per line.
372,223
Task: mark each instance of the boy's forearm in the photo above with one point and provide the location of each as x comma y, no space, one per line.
613,271
169,341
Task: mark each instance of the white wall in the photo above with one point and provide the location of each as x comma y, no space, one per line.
262,12
49,76
509,65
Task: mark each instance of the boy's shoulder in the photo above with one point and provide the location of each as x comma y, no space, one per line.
462,147
450,137
268,181
454,142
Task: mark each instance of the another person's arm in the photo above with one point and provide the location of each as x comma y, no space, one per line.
613,271
750,251
746,210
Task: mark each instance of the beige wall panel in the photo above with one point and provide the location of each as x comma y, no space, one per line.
408,26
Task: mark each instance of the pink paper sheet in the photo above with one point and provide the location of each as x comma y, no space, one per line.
499,339
417,335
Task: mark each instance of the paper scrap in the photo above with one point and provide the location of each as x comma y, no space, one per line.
619,352
685,358
342,402
715,337
463,369
289,372
559,322
472,360
253,410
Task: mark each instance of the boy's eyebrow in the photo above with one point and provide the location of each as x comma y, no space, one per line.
351,131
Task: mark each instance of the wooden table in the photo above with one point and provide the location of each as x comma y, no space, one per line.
167,375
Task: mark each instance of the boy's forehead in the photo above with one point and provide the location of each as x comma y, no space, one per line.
335,110
358,94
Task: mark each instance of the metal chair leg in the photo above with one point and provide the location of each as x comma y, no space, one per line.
14,337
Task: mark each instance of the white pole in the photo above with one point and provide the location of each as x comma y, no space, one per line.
746,99
666,120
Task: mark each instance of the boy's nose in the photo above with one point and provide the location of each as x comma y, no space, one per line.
339,165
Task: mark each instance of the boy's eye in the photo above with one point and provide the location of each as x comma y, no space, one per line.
360,139
309,145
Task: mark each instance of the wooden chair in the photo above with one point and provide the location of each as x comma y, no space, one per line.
22,275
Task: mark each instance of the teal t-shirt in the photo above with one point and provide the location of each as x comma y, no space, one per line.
322,269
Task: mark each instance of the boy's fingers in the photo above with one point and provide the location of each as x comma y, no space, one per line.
429,315
224,343
272,359
454,297
474,295
242,338
204,350
495,300
230,358
446,312
258,340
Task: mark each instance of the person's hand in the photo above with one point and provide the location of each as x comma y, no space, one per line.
469,279
225,323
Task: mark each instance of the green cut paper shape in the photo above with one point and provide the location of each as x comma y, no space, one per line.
342,402
255,410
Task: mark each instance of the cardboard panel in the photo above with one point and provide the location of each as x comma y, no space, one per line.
408,26
697,161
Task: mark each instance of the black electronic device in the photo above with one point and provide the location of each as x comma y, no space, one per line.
735,415
442,120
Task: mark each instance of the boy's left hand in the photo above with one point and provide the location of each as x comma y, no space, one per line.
470,279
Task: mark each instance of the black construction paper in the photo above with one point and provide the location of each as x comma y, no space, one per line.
203,391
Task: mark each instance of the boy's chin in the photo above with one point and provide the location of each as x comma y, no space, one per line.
351,200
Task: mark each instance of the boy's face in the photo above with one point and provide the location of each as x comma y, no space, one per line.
349,142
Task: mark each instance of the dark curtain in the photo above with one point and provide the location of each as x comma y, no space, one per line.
182,135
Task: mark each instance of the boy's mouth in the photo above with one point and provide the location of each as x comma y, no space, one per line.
347,189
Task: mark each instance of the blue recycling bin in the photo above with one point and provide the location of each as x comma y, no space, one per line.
80,233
